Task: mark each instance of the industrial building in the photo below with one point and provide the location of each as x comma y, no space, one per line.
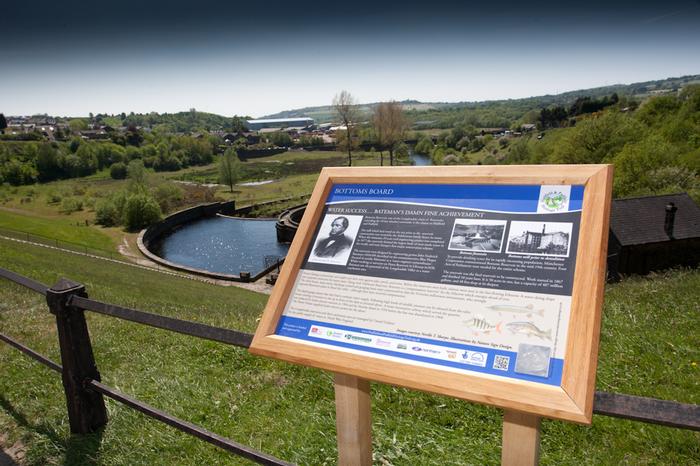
256,125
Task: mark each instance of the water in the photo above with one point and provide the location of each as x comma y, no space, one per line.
223,245
419,160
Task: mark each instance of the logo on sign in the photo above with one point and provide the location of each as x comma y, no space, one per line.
554,201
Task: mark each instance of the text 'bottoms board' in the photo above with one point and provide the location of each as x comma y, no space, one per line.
464,286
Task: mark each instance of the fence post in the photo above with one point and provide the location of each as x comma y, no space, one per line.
86,408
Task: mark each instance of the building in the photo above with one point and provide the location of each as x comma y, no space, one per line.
538,242
255,125
653,233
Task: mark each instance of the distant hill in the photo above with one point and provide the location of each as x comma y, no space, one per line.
495,113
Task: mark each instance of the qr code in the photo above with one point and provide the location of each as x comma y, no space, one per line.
501,362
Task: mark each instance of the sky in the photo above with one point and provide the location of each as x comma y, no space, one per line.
71,58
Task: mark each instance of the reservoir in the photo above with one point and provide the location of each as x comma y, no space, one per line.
223,245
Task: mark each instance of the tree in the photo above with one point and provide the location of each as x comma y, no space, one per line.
136,173
238,124
346,109
229,167
47,163
424,145
390,126
3,123
140,211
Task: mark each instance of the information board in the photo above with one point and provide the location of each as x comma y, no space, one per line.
454,279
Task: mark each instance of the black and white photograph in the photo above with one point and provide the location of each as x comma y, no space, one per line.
540,238
335,239
477,235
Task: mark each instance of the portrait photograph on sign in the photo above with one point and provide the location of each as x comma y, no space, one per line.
470,278
335,238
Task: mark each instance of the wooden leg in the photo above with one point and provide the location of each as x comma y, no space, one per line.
521,439
353,421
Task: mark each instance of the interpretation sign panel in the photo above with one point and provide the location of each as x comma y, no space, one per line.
472,279
467,277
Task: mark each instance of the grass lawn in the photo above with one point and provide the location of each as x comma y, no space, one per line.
66,231
649,346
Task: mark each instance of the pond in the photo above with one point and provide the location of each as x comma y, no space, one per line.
222,245
419,160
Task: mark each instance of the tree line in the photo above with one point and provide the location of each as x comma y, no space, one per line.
29,162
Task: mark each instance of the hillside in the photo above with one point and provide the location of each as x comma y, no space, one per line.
496,112
232,393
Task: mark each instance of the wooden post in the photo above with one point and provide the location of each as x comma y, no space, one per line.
86,408
521,439
353,420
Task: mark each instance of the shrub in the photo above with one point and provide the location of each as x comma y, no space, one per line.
168,196
117,171
70,205
107,214
140,211
53,198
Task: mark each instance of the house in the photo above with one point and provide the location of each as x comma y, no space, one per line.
653,233
96,134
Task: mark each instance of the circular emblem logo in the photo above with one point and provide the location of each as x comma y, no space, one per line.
553,201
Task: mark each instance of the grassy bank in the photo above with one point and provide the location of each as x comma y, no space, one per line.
649,346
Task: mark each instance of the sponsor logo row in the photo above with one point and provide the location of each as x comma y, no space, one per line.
474,358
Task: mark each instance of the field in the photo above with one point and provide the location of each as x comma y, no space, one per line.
649,347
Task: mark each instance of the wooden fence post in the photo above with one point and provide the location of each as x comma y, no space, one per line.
86,408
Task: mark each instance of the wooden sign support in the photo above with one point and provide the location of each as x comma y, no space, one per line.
353,420
521,439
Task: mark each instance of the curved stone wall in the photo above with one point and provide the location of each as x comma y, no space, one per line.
288,223
155,232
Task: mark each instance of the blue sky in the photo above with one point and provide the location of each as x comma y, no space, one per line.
72,58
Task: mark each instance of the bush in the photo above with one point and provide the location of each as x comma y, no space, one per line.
117,171
168,196
140,211
53,198
107,214
70,205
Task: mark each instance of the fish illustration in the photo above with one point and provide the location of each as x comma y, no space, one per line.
483,325
529,329
528,310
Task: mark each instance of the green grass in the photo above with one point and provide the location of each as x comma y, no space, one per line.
649,346
62,230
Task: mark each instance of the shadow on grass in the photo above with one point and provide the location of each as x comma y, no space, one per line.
79,449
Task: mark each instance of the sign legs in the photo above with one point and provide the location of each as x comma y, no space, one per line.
521,439
353,420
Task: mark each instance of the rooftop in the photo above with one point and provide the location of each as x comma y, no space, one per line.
640,220
281,120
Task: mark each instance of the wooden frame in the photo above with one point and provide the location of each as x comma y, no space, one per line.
573,400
